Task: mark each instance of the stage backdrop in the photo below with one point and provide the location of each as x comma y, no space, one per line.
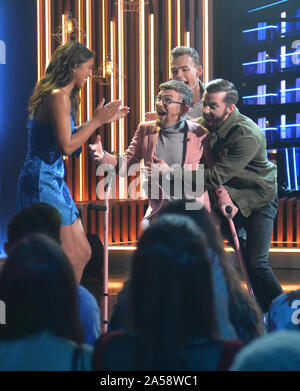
18,72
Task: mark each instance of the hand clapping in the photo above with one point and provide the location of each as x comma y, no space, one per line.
111,112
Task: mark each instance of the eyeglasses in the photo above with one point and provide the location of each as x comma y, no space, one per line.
166,100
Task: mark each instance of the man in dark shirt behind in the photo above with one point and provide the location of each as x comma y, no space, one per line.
239,148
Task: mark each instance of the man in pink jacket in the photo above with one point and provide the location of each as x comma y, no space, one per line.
165,144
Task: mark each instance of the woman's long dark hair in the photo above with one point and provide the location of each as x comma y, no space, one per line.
170,291
244,313
38,287
59,74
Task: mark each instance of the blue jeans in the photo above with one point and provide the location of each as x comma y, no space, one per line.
255,235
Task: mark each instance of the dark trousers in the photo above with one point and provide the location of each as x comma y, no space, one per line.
255,235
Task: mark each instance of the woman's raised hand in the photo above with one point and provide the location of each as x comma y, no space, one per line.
111,112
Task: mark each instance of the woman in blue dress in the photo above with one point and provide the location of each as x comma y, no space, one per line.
51,134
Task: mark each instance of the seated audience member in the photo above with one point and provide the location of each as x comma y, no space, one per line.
122,311
284,312
42,331
37,218
44,218
173,325
244,313
89,315
238,316
278,351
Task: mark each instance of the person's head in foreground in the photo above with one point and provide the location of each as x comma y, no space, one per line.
38,287
172,102
244,314
39,217
278,351
284,311
171,289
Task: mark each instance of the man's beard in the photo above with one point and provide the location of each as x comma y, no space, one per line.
213,123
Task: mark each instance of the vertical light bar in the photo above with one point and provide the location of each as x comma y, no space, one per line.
142,59
88,92
38,40
152,65
80,107
88,44
287,169
298,122
295,168
282,57
63,40
178,24
169,35
283,24
283,126
112,40
48,31
121,88
262,122
205,41
63,29
142,74
263,92
188,39
103,31
79,22
282,91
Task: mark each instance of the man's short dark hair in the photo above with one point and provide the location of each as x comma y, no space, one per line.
37,218
183,50
181,88
222,85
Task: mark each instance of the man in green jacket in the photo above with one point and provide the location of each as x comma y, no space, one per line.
241,165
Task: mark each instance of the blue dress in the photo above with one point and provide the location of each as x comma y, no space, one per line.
42,177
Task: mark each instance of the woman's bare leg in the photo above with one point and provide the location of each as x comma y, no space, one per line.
76,246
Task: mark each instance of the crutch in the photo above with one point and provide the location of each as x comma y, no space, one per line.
236,242
105,208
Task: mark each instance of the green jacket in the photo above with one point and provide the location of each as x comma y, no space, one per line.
241,164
